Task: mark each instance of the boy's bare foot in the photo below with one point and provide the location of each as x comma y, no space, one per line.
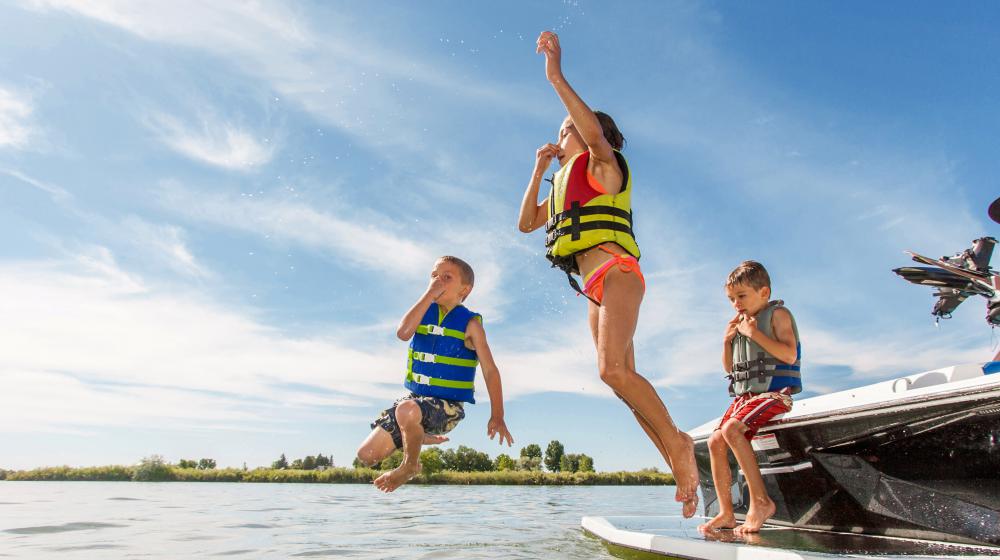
685,472
758,513
721,521
433,440
397,477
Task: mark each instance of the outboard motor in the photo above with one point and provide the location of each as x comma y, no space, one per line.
956,278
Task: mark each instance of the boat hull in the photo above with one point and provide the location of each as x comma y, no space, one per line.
923,466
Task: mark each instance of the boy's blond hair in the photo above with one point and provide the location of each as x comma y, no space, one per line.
749,273
468,276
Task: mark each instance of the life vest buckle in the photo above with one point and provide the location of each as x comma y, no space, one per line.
424,357
435,329
421,379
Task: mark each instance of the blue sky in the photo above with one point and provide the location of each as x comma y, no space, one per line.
213,214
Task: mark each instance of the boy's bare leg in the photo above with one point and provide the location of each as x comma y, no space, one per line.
723,479
408,417
377,446
761,506
616,324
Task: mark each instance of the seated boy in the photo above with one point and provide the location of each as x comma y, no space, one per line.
448,342
761,354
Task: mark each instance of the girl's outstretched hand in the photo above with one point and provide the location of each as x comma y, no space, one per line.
544,155
548,44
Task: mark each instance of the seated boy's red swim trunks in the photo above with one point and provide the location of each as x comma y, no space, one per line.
757,409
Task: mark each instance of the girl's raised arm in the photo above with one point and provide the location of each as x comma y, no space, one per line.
583,117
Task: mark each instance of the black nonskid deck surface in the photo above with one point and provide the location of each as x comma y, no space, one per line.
679,538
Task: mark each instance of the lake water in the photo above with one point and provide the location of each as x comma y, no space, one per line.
175,519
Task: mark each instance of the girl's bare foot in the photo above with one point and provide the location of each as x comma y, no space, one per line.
721,521
685,472
758,513
397,477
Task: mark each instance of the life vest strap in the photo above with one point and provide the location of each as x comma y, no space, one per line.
440,331
576,212
435,359
760,368
575,228
436,382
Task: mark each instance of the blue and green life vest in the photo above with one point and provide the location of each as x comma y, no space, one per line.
439,364
757,371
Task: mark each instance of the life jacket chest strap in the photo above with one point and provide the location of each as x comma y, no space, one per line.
575,226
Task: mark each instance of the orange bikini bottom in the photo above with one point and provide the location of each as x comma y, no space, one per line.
593,285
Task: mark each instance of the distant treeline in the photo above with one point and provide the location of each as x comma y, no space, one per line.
149,471
156,469
461,465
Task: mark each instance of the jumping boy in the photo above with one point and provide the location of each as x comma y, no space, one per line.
448,342
761,353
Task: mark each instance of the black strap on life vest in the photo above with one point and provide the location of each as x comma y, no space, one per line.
576,286
760,368
575,226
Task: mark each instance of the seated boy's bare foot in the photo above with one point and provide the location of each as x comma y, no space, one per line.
397,477
758,513
433,440
721,521
685,472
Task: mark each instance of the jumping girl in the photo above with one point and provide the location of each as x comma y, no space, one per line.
588,221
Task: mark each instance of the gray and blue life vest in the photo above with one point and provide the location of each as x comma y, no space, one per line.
439,364
757,371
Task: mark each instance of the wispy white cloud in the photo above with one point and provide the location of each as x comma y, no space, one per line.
349,80
58,194
165,241
348,234
17,128
114,350
212,141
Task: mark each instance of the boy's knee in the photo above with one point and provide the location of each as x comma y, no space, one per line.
717,440
614,375
732,429
366,456
408,412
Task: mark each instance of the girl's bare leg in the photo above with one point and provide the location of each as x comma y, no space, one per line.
593,314
616,322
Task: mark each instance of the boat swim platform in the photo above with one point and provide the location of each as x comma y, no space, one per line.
674,537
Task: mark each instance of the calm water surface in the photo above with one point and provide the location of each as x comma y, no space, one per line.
171,520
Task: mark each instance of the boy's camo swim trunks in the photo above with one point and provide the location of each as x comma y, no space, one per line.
440,416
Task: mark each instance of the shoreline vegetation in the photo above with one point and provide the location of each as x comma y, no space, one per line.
339,475
463,465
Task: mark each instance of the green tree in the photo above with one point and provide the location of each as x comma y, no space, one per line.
533,450
570,462
358,464
296,464
281,463
504,462
392,461
206,464
586,463
466,459
152,469
529,464
309,463
431,461
553,454
187,464
322,461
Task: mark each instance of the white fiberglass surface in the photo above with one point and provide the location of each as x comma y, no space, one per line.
935,383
